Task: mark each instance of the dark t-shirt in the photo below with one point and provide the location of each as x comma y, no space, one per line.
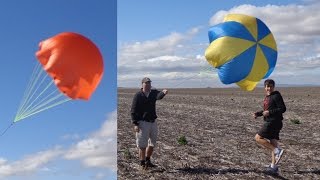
143,107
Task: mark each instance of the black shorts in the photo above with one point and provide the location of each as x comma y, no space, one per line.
270,130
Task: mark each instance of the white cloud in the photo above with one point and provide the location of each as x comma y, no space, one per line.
289,24
161,59
100,149
29,164
100,176
167,45
148,49
2,161
170,59
71,137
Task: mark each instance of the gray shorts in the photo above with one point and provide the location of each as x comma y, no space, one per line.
148,134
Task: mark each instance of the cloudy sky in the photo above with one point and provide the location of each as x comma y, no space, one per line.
96,152
167,43
77,139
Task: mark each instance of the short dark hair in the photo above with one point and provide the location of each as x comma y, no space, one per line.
269,82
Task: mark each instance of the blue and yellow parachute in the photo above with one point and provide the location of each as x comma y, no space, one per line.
243,50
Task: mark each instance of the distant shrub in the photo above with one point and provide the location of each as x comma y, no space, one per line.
295,121
127,154
182,140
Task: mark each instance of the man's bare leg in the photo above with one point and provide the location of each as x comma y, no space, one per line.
142,156
149,151
260,140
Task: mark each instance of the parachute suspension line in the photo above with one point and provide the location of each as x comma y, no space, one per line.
6,129
35,90
185,79
45,108
30,104
206,68
41,101
30,86
39,95
207,71
39,105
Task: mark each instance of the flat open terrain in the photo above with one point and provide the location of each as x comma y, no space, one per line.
219,128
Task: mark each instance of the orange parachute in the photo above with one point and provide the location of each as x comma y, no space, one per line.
74,62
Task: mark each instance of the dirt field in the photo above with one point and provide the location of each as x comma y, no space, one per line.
219,128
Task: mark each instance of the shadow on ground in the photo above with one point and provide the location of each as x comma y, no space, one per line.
211,171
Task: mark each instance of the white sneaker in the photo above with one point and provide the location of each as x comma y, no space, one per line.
278,155
273,170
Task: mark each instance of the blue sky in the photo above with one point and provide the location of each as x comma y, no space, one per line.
145,20
68,141
166,40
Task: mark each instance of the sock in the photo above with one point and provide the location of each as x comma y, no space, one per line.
276,150
272,165
147,158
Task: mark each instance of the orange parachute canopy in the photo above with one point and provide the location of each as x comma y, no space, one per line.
74,62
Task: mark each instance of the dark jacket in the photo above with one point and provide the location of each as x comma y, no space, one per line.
275,105
144,108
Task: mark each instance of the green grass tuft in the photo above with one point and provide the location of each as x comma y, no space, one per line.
182,140
295,121
127,154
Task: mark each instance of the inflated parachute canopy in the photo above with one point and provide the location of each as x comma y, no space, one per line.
243,49
74,62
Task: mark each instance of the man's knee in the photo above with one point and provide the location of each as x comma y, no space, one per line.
258,138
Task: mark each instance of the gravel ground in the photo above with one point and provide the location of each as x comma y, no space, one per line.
219,128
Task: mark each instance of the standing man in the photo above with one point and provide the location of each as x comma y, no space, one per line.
268,135
143,114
